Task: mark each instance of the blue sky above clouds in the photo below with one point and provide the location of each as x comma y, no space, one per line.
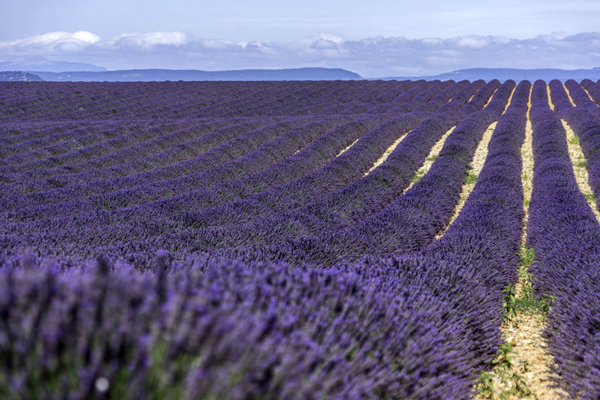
375,38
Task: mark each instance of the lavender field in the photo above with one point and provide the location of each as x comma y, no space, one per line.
292,240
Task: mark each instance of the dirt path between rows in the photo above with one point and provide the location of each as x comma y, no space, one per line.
523,333
476,166
386,154
347,148
580,164
527,374
580,168
430,159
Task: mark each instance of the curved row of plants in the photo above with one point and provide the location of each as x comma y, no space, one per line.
71,219
309,280
417,326
51,101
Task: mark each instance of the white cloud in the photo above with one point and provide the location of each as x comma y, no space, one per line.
87,37
220,44
370,57
432,41
148,40
330,37
475,42
51,42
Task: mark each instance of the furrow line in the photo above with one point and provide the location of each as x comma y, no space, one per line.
431,157
384,156
523,333
579,168
344,149
476,167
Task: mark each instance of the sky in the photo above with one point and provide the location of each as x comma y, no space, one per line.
374,38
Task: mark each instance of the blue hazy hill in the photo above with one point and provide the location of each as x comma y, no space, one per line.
297,74
504,74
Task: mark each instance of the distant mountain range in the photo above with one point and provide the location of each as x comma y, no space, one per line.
298,74
39,63
504,74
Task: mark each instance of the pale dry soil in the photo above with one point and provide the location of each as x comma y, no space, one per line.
529,346
550,97
579,164
431,157
476,166
347,148
527,174
435,150
569,96
579,168
531,360
524,332
386,154
589,95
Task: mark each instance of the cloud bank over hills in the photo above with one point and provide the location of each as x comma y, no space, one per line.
370,57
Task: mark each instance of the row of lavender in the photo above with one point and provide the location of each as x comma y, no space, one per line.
307,324
195,325
179,159
99,209
565,233
159,100
349,223
169,148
